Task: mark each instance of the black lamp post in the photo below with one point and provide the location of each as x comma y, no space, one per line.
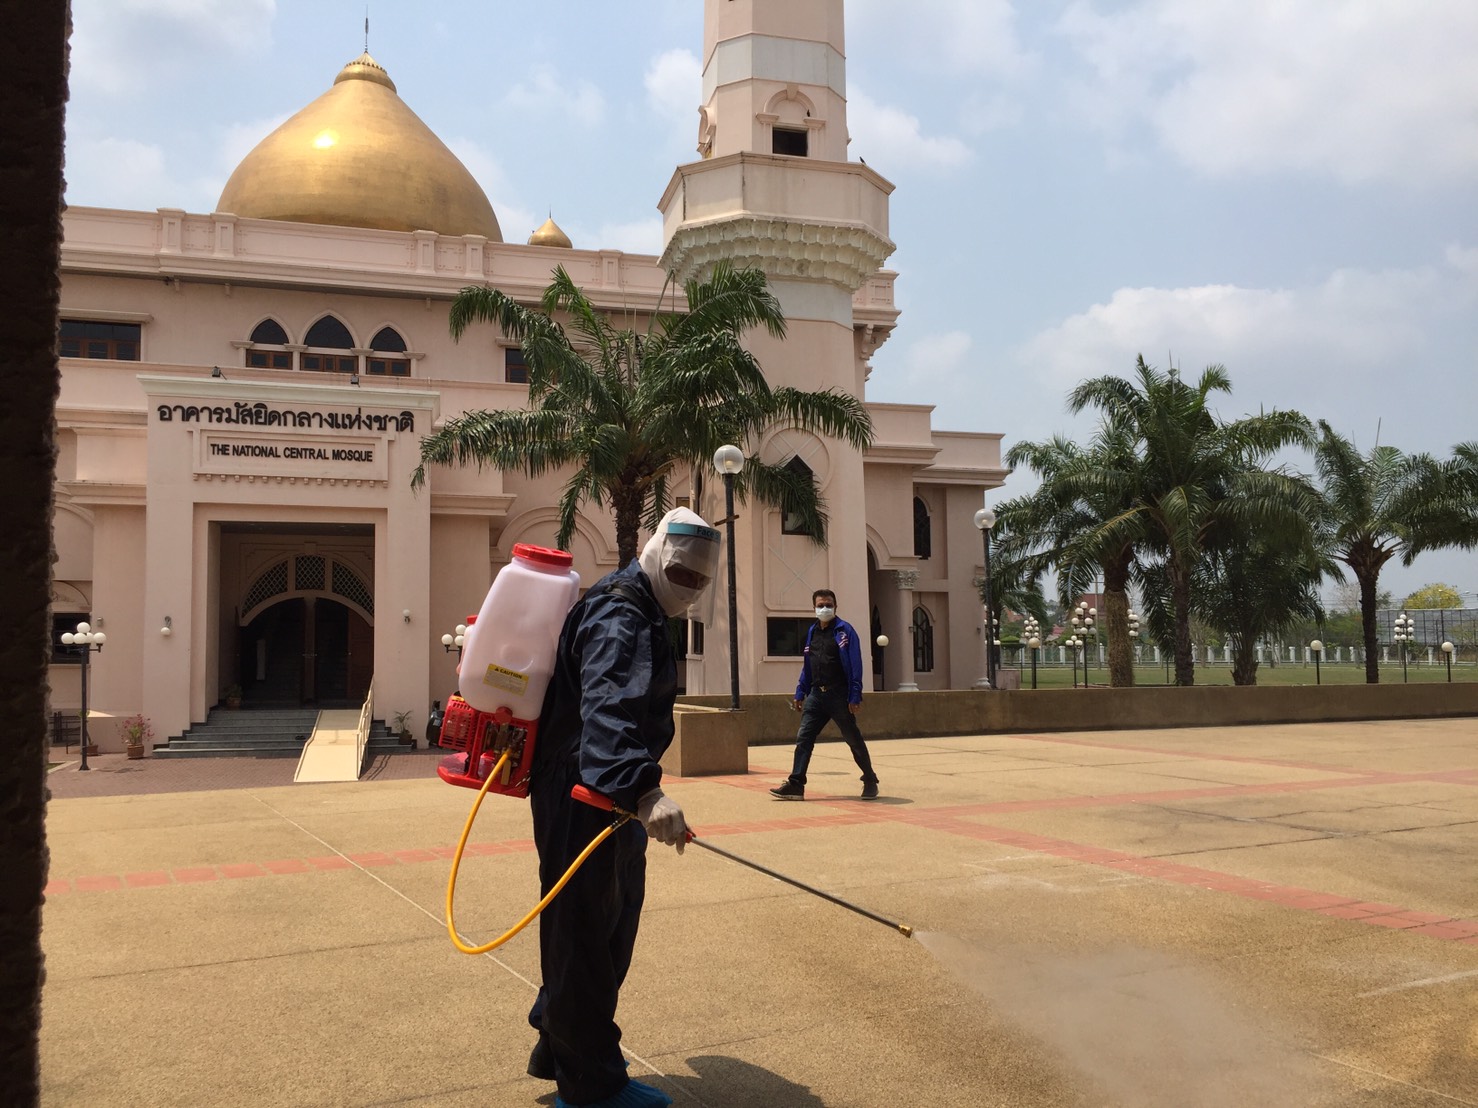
985,519
1031,635
87,640
729,460
1318,648
1403,635
1447,649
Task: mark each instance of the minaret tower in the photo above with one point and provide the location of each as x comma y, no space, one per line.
774,190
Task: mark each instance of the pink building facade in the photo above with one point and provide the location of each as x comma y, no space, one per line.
244,393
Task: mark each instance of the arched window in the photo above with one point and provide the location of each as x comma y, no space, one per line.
923,642
923,543
388,354
266,349
329,334
790,522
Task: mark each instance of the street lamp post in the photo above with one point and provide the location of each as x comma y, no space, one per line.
985,519
1133,641
729,460
1318,648
1031,634
1447,649
87,640
1403,635
455,641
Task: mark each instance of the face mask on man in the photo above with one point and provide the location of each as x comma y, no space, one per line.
825,615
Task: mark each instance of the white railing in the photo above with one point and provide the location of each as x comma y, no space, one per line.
361,737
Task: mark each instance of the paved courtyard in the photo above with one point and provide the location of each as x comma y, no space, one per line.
1280,916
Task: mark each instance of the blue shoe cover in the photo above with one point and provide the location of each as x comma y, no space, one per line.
634,1095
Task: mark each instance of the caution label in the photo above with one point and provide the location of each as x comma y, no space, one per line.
509,680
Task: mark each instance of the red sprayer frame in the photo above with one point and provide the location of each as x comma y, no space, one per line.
482,738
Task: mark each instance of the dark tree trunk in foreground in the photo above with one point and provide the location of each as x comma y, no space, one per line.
32,100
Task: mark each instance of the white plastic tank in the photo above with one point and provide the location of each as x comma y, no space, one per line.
508,654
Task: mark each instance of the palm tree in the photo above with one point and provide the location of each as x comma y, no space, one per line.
32,100
1254,587
626,412
1061,526
1384,503
1193,474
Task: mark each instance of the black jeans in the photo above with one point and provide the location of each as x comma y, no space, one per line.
820,707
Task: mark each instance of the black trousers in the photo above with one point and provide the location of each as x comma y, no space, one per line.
820,707
586,937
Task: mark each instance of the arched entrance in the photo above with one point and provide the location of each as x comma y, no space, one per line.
306,650
306,636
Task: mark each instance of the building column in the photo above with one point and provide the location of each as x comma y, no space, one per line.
907,580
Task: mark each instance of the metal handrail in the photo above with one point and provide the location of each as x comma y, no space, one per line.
361,737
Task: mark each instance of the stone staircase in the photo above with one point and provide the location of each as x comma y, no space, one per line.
261,733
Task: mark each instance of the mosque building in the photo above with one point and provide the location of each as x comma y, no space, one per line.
244,393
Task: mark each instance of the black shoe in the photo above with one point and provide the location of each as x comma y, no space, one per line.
541,1060
789,791
869,790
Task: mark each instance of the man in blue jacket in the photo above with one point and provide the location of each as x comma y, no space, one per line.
606,721
830,688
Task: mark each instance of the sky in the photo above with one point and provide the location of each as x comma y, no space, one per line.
1286,188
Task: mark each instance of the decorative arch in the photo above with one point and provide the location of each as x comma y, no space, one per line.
922,627
269,332
304,575
790,104
545,520
923,531
328,333
388,355
325,337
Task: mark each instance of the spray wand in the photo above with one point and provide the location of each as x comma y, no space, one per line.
580,792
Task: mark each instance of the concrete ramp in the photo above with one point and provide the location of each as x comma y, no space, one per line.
335,750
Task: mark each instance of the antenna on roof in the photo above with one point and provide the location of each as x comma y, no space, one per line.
366,28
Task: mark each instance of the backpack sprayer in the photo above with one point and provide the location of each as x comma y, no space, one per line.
508,659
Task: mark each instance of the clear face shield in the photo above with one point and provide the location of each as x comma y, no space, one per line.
690,565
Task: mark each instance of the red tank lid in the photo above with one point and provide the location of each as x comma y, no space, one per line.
543,555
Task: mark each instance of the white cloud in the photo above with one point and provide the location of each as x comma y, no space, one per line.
1331,346
674,83
546,90
639,236
1359,92
895,140
516,220
120,173
109,37
961,36
937,358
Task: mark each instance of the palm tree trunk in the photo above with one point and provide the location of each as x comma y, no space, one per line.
1116,623
32,101
1180,597
1244,660
1368,602
627,505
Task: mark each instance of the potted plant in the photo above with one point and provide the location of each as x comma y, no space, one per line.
233,696
135,730
402,723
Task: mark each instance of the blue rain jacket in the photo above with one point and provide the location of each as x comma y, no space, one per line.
607,717
851,655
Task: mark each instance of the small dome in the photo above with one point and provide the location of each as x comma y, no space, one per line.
550,235
359,157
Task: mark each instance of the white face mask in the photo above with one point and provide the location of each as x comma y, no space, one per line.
825,615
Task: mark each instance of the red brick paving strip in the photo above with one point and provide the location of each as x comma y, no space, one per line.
118,777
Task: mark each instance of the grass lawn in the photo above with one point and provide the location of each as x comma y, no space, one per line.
1054,677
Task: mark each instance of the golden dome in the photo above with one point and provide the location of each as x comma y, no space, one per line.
551,235
358,157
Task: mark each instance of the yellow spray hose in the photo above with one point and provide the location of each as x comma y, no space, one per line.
451,883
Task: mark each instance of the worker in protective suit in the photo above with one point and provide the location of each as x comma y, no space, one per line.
606,721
